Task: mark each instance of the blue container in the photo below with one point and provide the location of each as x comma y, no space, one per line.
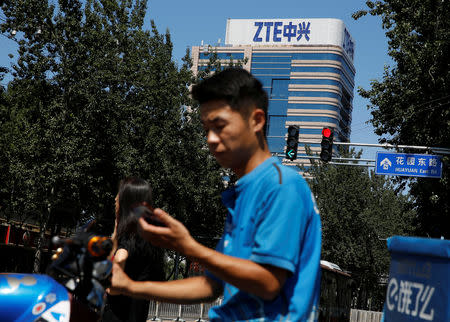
418,288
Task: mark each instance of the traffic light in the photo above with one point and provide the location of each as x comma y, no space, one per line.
327,144
292,142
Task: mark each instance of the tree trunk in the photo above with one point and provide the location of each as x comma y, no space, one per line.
40,241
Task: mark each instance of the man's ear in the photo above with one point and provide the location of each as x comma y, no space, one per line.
258,120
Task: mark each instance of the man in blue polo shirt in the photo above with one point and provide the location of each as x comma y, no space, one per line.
267,264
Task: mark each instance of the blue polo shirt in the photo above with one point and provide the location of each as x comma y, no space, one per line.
272,219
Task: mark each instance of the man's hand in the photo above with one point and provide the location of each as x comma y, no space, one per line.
264,281
173,236
119,281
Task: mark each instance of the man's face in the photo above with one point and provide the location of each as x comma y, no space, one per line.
230,137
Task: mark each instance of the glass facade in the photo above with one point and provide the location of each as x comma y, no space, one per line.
308,85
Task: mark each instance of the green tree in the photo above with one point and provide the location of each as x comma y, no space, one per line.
4,115
410,104
94,98
359,210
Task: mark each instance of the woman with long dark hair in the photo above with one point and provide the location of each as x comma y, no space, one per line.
141,260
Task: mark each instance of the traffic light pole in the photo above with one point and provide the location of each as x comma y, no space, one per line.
389,146
436,150
337,158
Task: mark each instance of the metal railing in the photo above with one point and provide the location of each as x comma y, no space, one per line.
159,311
365,316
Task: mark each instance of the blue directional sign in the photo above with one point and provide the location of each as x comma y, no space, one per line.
411,165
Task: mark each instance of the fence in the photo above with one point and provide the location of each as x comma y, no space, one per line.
159,311
365,316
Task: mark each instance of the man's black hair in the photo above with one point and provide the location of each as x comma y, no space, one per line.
237,87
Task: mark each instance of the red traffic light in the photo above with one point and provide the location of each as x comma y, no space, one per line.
326,132
326,152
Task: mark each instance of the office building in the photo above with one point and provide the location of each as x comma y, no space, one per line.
306,66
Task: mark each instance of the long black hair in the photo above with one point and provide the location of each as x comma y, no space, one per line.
132,190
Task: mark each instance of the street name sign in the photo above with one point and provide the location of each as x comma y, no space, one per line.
410,165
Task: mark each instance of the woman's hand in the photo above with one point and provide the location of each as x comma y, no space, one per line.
121,257
120,282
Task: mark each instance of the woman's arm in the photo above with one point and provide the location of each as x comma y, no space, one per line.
185,291
114,241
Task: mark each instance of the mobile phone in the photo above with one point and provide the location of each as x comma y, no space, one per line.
146,211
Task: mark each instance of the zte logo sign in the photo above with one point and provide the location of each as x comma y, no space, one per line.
276,31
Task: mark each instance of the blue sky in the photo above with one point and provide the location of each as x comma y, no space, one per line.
191,22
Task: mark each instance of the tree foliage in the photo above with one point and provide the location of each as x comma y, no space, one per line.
96,97
410,104
359,210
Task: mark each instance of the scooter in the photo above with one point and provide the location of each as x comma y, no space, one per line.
73,288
